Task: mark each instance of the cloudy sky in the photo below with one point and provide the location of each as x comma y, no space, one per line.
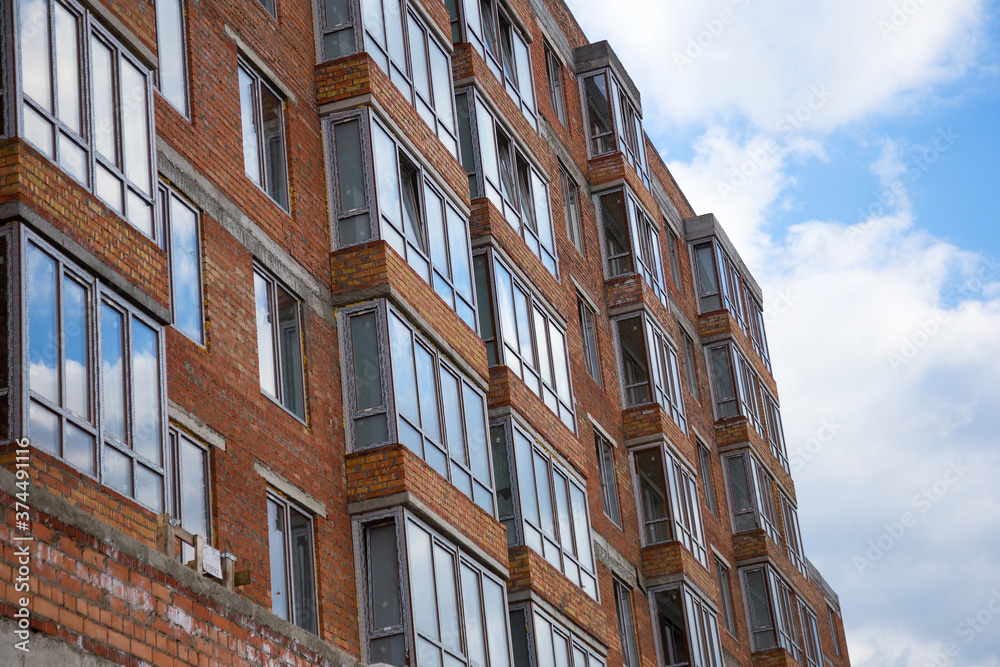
849,147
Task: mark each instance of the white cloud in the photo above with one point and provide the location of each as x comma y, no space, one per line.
765,60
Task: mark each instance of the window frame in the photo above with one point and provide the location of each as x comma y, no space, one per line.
625,119
608,478
674,257
571,210
781,601
662,369
626,623
762,507
591,342
690,362
185,107
97,296
273,283
645,251
683,507
166,196
175,481
382,311
704,643
402,521
499,179
543,376
706,470
792,533
554,75
724,579
833,629
812,651
322,30
88,30
265,179
552,546
288,506
471,28
579,653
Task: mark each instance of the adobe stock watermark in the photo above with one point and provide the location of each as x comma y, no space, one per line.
703,40
894,192
808,450
911,345
922,502
757,158
22,539
899,17
971,627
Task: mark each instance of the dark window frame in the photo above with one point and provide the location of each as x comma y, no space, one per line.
694,607
781,610
287,506
626,623
590,339
324,29
624,120
792,533
725,579
608,478
691,364
579,653
644,251
84,140
760,489
276,187
175,481
543,376
389,406
571,210
273,283
554,74
662,369
707,474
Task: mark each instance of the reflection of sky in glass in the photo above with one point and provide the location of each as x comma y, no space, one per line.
265,337
251,154
113,372
105,137
36,73
276,540
75,364
402,366
42,332
135,126
67,67
44,429
117,470
194,511
146,379
184,258
170,47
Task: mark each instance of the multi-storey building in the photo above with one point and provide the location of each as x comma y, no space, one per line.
393,303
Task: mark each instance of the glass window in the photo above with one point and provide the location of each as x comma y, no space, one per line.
617,246
415,217
337,28
793,537
707,477
669,501
496,38
293,583
279,343
631,240
692,369
688,630
524,336
414,60
262,115
552,507
751,495
506,176
833,629
726,597
171,51
588,331
270,6
810,636
452,598
111,154
649,367
439,413
571,209
184,244
540,641
771,607
600,124
553,70
675,261
67,313
608,477
189,491
626,624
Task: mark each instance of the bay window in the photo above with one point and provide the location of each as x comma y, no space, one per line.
613,120
400,388
104,419
793,536
631,239
488,26
687,628
522,334
411,212
668,501
541,641
442,598
85,104
751,494
551,513
649,367
502,171
771,610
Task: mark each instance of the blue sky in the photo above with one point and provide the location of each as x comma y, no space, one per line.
873,224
